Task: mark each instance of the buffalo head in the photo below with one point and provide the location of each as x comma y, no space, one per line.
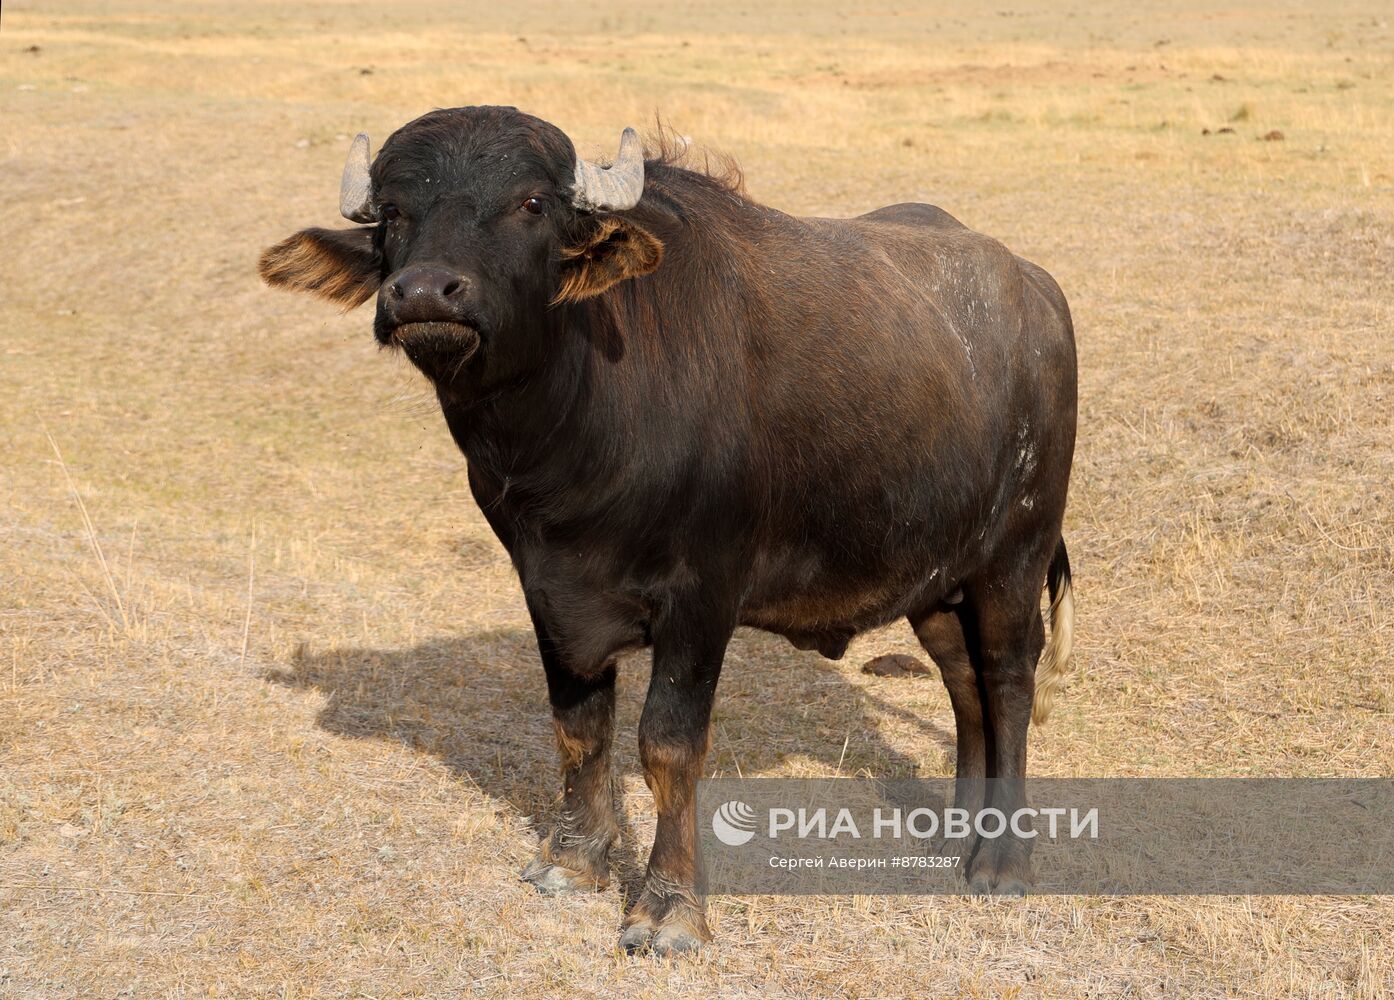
477,224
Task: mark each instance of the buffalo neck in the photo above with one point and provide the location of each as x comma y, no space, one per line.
640,388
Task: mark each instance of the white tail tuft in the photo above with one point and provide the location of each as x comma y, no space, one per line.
1055,661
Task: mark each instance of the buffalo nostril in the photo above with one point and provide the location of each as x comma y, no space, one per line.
451,288
394,290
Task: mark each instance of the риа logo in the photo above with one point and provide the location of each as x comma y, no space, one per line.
734,823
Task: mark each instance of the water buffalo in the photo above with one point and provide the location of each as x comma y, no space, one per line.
683,412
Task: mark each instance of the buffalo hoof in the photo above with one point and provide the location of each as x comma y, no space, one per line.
664,925
1000,869
553,879
635,938
644,938
676,941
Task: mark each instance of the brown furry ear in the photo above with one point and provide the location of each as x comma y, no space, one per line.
340,265
618,250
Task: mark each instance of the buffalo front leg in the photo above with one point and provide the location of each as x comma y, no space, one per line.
669,916
576,855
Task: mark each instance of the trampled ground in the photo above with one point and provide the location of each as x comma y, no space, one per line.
271,722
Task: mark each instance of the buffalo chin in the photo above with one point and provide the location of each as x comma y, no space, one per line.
440,350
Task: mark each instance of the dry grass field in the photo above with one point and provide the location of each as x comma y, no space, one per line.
271,721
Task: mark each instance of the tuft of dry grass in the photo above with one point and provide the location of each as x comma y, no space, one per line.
271,722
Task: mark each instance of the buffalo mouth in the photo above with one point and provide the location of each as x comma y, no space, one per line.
440,349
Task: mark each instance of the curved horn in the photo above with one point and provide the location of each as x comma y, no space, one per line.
356,186
614,188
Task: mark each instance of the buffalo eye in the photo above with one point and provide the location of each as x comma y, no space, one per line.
389,212
533,206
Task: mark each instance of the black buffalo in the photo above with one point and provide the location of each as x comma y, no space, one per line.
684,412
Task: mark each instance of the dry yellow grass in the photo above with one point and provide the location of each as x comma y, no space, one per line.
270,718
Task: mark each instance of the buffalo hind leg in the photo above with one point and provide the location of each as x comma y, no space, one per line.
1010,636
576,855
669,917
943,632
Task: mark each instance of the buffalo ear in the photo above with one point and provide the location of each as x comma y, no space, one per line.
341,265
616,250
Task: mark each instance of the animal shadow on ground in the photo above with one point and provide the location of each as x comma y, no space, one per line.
479,703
